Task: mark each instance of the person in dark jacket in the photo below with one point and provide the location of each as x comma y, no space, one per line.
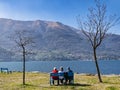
69,76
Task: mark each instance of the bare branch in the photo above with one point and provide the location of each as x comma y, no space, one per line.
96,25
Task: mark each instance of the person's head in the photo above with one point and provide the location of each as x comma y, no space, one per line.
55,68
61,68
68,68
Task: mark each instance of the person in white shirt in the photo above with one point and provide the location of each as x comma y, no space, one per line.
61,75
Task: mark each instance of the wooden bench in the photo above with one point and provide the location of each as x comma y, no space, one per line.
69,76
5,70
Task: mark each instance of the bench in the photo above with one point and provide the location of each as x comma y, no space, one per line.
5,70
68,77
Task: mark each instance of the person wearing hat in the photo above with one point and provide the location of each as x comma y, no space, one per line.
55,77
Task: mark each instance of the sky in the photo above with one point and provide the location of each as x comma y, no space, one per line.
64,11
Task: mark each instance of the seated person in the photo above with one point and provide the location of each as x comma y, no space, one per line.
69,75
61,75
55,77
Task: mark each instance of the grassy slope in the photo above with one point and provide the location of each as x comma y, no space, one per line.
40,81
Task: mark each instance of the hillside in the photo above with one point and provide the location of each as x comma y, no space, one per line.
56,41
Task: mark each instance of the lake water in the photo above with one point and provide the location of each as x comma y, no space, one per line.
106,67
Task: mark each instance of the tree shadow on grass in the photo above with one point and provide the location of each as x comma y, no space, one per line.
76,84
28,85
108,82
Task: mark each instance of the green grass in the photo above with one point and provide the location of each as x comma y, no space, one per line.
40,81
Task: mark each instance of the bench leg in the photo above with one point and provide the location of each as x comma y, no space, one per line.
58,82
51,81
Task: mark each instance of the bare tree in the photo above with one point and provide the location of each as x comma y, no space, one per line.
95,26
24,41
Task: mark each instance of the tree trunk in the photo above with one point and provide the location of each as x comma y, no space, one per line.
23,66
97,67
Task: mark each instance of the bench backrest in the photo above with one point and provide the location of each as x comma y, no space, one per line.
61,74
70,74
4,69
56,74
53,74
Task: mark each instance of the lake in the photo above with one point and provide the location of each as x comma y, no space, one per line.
106,67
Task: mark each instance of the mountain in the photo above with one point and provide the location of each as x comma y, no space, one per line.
55,41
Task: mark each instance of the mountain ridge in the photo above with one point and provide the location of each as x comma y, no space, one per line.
56,41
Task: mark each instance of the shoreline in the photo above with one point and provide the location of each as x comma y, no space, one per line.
82,74
89,74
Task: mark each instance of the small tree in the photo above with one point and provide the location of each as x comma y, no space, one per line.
24,41
95,26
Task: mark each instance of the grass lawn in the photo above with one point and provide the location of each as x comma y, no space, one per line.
40,81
